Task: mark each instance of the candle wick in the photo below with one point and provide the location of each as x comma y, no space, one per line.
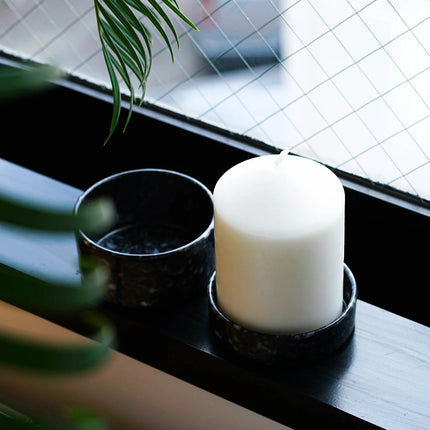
282,158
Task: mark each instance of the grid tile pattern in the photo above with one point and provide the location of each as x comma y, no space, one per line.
346,82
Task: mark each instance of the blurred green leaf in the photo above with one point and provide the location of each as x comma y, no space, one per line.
55,358
16,83
95,216
126,45
74,419
23,290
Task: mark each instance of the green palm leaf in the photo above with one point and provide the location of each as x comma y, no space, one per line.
61,296
126,43
23,290
126,46
16,83
55,358
32,293
95,216
78,420
113,64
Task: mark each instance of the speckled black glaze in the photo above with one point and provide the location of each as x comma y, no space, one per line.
272,349
143,275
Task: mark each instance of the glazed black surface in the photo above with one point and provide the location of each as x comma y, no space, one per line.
281,348
160,251
145,239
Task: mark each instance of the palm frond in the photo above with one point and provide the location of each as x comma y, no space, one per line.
126,43
54,296
15,83
26,291
50,357
96,215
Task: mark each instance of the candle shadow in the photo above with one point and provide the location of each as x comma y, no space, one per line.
287,392
322,379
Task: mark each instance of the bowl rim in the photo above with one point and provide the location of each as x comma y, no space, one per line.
206,233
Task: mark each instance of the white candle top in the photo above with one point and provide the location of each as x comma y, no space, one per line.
279,196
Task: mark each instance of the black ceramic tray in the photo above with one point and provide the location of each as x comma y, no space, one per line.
288,349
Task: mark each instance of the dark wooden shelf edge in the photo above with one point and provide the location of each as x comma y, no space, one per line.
286,395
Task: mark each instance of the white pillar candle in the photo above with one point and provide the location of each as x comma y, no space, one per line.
279,244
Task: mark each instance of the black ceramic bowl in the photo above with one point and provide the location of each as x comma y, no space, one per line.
160,251
282,348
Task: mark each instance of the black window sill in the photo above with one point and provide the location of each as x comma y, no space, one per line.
379,379
61,133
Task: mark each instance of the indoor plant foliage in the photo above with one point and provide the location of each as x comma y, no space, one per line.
126,42
52,298
124,30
